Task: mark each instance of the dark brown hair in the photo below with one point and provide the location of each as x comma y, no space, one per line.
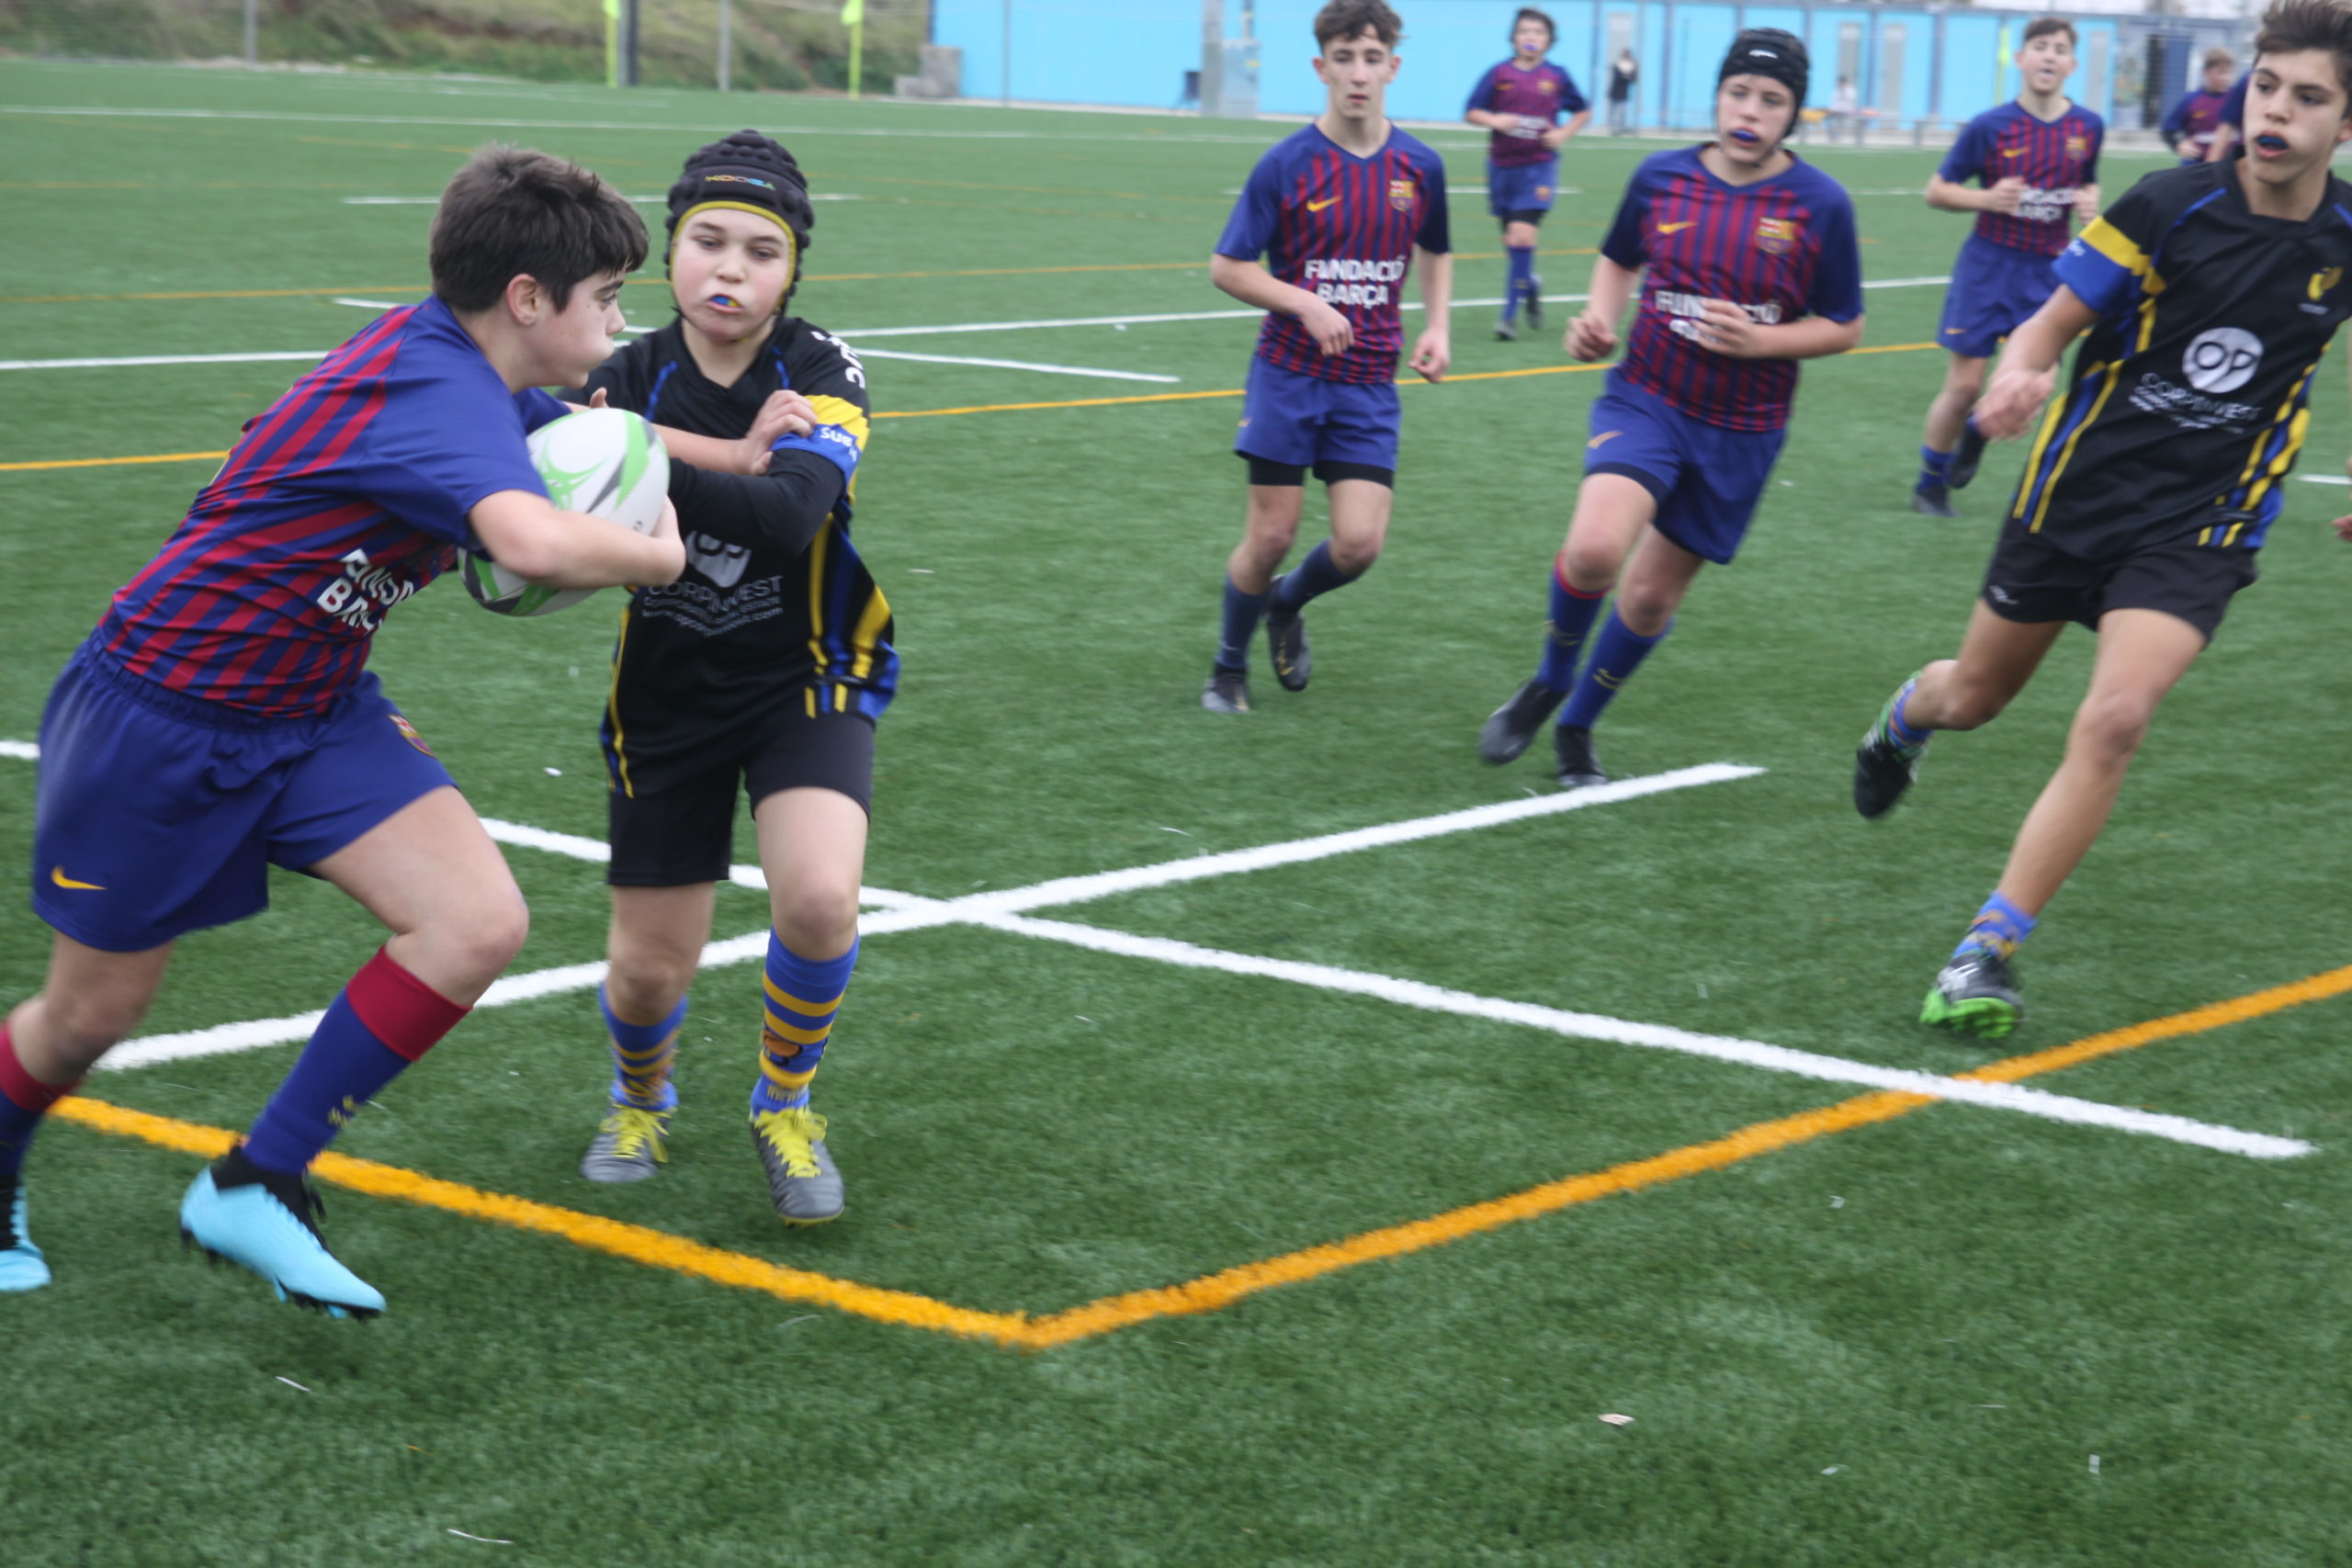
2292,26
2042,27
511,211
1344,19
1530,14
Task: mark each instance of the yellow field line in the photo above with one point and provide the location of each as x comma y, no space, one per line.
975,408
659,1249
656,1249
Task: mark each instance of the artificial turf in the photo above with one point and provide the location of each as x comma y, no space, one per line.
1903,1344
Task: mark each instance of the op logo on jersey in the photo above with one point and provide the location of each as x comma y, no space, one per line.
721,562
1776,236
1402,194
2221,360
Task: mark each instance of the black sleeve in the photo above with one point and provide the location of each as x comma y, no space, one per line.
781,509
622,378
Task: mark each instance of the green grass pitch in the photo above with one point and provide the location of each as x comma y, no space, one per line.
1899,1345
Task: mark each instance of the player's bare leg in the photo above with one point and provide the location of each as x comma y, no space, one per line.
432,875
90,999
1948,438
1997,656
1613,511
2143,654
812,846
651,950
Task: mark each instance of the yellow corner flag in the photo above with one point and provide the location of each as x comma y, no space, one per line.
2002,58
852,12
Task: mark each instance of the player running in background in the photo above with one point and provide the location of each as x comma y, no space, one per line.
2037,163
762,669
1746,261
1520,101
220,720
2211,293
1343,210
2189,126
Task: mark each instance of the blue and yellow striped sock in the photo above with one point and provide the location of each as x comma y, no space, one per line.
803,995
1933,466
1998,928
642,1055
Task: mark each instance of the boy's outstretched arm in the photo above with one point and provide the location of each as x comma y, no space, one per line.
533,538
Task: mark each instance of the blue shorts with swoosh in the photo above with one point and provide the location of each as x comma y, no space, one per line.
1705,479
158,814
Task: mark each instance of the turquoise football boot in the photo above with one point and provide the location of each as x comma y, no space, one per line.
22,1268
268,1222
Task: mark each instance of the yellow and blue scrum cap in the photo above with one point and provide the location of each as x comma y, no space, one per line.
745,172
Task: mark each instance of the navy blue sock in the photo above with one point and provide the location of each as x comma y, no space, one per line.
382,1022
1522,273
1998,927
1934,466
1573,612
1241,614
1312,577
1617,653
24,1101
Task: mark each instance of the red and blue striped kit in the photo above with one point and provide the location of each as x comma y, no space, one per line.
1780,249
1342,228
1542,92
348,495
2053,157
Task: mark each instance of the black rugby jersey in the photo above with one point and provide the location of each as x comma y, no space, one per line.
2189,397
775,611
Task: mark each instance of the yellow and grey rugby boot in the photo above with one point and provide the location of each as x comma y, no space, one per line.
630,1145
802,1182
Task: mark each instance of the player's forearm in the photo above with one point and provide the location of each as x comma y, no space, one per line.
2224,138
1947,197
1250,283
529,536
1814,337
1612,290
2038,345
1437,285
783,509
1485,119
1579,121
702,451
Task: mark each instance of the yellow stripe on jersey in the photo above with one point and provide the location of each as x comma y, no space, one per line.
2296,419
613,707
2114,374
867,638
2116,246
845,413
817,552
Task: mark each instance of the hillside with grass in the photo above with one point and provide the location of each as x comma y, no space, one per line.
778,46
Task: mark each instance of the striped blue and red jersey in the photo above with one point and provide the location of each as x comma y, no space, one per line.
1342,228
349,494
2194,117
1780,249
2055,157
1542,92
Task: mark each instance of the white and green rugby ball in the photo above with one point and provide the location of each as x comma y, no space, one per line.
606,462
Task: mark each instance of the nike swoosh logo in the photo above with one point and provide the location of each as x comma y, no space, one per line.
57,875
1955,331
2012,152
1605,435
1670,228
1319,206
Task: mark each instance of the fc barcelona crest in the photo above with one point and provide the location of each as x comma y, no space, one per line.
1401,193
1776,236
2078,146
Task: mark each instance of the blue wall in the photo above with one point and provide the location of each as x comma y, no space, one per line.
1134,54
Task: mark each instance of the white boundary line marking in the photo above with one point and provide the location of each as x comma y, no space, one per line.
859,336
1721,1048
996,911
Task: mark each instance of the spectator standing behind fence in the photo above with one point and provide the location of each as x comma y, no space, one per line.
1622,74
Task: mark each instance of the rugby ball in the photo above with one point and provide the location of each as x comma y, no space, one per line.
606,462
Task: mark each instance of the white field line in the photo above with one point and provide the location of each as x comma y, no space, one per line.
1721,1048
916,914
859,336
991,911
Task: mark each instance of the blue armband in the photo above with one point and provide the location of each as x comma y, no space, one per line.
830,441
